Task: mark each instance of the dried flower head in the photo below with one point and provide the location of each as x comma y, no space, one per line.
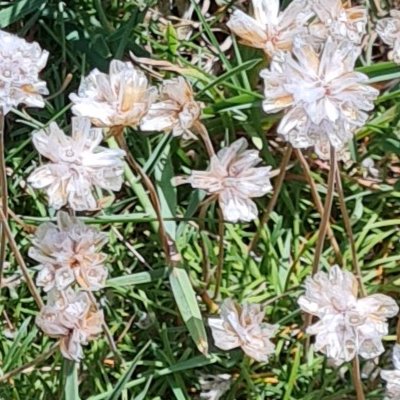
71,317
270,29
347,325
69,252
389,31
213,387
338,21
20,65
324,99
242,326
121,98
234,179
78,164
176,112
392,377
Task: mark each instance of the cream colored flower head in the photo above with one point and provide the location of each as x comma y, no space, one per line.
271,30
69,252
71,317
392,377
324,99
389,31
234,180
176,112
121,98
77,165
20,65
213,387
338,21
347,326
242,326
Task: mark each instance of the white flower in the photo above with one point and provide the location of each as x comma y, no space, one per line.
242,326
121,98
213,387
339,21
392,377
324,99
69,252
71,317
176,112
20,64
347,325
270,29
234,179
389,31
78,164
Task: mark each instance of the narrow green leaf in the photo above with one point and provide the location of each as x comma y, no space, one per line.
138,278
119,387
71,382
186,300
18,10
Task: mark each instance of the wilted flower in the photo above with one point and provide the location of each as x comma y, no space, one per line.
176,112
71,317
389,31
270,29
69,252
77,165
20,64
234,179
392,377
323,151
242,326
121,98
339,21
324,99
347,325
213,387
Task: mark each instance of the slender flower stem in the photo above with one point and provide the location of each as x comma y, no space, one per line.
349,230
318,203
218,274
398,330
272,202
201,130
4,194
35,362
357,378
165,239
20,261
327,212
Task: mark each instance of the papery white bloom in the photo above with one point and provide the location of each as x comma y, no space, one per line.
78,164
71,317
339,21
69,252
213,387
270,29
324,99
242,326
392,377
176,112
347,325
389,31
234,179
20,65
121,98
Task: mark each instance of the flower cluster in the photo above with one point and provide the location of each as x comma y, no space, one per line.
389,30
72,317
242,326
78,164
69,252
233,179
20,65
347,326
